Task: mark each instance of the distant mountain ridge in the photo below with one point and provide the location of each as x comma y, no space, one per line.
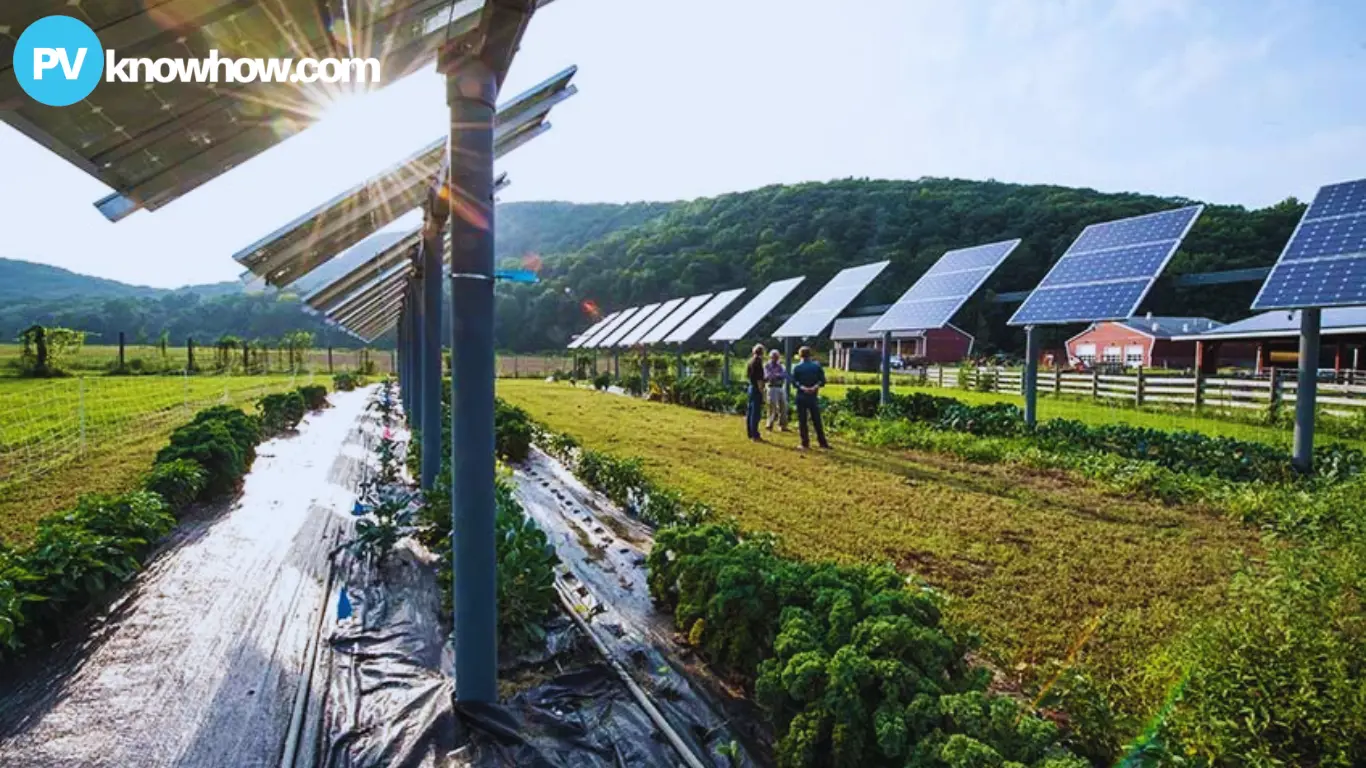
29,282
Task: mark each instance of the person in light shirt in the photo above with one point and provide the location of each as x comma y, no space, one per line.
775,376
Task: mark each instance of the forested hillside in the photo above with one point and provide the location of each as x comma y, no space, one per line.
815,229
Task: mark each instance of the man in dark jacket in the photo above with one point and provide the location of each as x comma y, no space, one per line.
754,409
809,377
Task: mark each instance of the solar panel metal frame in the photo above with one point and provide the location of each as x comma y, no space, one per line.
601,336
741,323
377,285
695,322
313,238
590,330
328,294
887,322
614,338
391,291
377,315
1071,251
665,309
152,145
680,313
1355,257
861,276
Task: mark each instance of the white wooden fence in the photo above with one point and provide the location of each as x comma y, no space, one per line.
1267,392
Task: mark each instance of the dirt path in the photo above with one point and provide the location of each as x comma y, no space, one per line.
200,664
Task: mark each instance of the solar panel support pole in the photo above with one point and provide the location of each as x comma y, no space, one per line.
471,94
725,364
787,355
886,367
403,359
680,362
1306,393
430,254
416,289
616,365
1031,376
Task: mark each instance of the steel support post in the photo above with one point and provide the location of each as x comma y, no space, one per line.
471,93
616,365
645,372
725,364
402,349
1031,376
1307,390
787,355
886,367
419,346
430,254
680,362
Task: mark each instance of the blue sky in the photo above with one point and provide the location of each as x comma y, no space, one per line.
1240,101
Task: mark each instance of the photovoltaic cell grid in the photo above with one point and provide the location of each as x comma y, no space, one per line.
820,310
1324,264
615,337
592,329
941,291
649,323
1108,270
757,308
676,317
607,330
706,314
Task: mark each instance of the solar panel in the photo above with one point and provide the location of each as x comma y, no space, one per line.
820,310
650,322
1108,269
757,308
1324,264
614,338
943,289
676,317
706,314
610,328
592,329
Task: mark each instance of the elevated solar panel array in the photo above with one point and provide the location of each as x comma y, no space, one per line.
1108,270
822,309
592,329
615,337
1324,264
714,306
649,323
675,319
942,291
758,307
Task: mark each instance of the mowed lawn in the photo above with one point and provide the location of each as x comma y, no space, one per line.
60,438
1029,558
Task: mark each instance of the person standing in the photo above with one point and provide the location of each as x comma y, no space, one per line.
775,376
754,408
809,377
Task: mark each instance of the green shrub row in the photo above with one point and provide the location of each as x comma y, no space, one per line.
1181,450
80,554
347,381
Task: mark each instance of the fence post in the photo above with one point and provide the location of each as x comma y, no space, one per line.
246,358
516,367
1274,403
185,390
1138,388
329,360
189,354
80,387
1057,381
1095,383
1199,388
122,362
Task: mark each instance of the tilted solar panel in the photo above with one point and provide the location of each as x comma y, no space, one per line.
649,323
706,314
614,338
934,299
592,329
675,318
1108,269
821,310
758,307
608,329
1324,264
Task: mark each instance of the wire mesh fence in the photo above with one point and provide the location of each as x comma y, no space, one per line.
46,424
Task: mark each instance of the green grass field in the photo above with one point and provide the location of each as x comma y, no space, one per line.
1030,558
63,437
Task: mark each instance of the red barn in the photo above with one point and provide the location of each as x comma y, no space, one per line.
949,344
1138,341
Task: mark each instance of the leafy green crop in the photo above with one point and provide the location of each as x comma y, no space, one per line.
179,482
210,445
315,396
281,412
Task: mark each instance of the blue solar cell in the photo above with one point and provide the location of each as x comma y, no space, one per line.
951,284
1338,199
1341,236
1152,228
920,315
1324,283
976,257
1117,264
1081,303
